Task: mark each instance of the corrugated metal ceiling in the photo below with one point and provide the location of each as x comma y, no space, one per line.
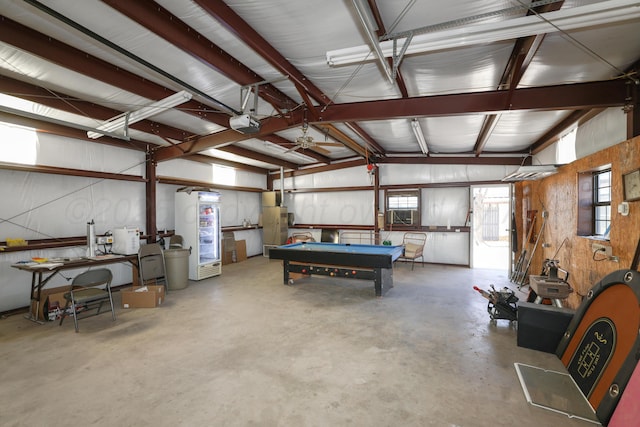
84,62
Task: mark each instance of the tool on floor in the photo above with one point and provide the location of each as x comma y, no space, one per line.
522,276
549,285
522,259
502,304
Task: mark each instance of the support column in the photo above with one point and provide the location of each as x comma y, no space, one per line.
633,111
376,204
150,192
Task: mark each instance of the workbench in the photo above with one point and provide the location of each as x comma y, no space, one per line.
42,272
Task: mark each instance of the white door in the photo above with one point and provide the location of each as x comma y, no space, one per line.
490,227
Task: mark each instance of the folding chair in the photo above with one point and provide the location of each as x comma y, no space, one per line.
151,266
414,246
176,242
87,293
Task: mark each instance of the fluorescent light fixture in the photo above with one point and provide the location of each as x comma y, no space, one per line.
370,27
417,130
53,120
531,173
125,119
605,12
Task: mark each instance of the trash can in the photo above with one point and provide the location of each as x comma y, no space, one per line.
177,265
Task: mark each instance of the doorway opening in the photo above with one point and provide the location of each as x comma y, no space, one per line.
491,227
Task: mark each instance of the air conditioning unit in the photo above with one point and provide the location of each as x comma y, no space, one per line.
244,123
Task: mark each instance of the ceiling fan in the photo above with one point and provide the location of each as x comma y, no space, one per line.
305,141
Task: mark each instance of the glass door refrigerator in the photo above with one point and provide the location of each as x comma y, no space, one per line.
197,220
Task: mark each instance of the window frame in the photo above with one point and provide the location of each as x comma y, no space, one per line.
589,203
416,216
598,204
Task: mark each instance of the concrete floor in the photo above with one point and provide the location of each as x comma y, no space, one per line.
242,349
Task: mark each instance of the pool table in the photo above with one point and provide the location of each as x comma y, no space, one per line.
366,262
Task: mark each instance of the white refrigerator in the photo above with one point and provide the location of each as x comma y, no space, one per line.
197,220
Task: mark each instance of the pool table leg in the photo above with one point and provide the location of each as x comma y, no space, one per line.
383,281
285,271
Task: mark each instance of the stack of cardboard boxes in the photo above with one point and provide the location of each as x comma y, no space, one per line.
233,250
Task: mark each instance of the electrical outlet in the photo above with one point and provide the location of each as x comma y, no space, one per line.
604,249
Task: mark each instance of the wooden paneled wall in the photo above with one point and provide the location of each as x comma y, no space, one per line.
558,195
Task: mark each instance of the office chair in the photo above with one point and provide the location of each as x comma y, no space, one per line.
87,293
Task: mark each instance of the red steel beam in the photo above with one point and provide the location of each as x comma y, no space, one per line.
576,96
519,60
241,151
563,97
157,19
66,56
241,29
69,104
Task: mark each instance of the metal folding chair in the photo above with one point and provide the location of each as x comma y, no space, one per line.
89,290
151,266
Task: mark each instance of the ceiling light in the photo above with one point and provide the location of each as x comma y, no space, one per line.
600,13
531,173
417,130
125,119
53,120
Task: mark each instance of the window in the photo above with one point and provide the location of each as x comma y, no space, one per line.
403,207
594,203
602,203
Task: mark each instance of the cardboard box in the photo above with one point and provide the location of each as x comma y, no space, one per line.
233,251
56,294
149,296
227,257
241,250
228,251
55,305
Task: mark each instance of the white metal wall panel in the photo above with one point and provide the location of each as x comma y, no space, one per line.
393,174
441,247
253,239
238,205
49,206
445,206
235,206
340,207
352,177
197,171
64,152
606,129
447,248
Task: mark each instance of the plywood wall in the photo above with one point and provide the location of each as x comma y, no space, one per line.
557,195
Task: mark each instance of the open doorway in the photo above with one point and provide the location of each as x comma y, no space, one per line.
490,228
